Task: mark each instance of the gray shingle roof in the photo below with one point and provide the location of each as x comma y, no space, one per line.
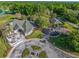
56,21
23,25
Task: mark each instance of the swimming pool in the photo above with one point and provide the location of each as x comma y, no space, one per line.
2,12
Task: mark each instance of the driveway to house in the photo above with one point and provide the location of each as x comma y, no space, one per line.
16,51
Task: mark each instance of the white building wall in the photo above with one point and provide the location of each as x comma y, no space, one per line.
29,32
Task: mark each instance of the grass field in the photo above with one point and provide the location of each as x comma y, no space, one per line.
35,34
4,48
5,18
71,28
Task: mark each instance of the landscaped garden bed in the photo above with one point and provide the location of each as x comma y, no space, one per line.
34,47
25,53
42,54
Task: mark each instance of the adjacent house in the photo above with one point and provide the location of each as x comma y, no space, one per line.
55,21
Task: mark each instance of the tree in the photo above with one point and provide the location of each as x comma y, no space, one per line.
75,40
42,22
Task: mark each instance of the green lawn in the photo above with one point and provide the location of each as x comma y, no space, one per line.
42,54
34,47
4,48
35,34
25,53
61,41
71,28
5,18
